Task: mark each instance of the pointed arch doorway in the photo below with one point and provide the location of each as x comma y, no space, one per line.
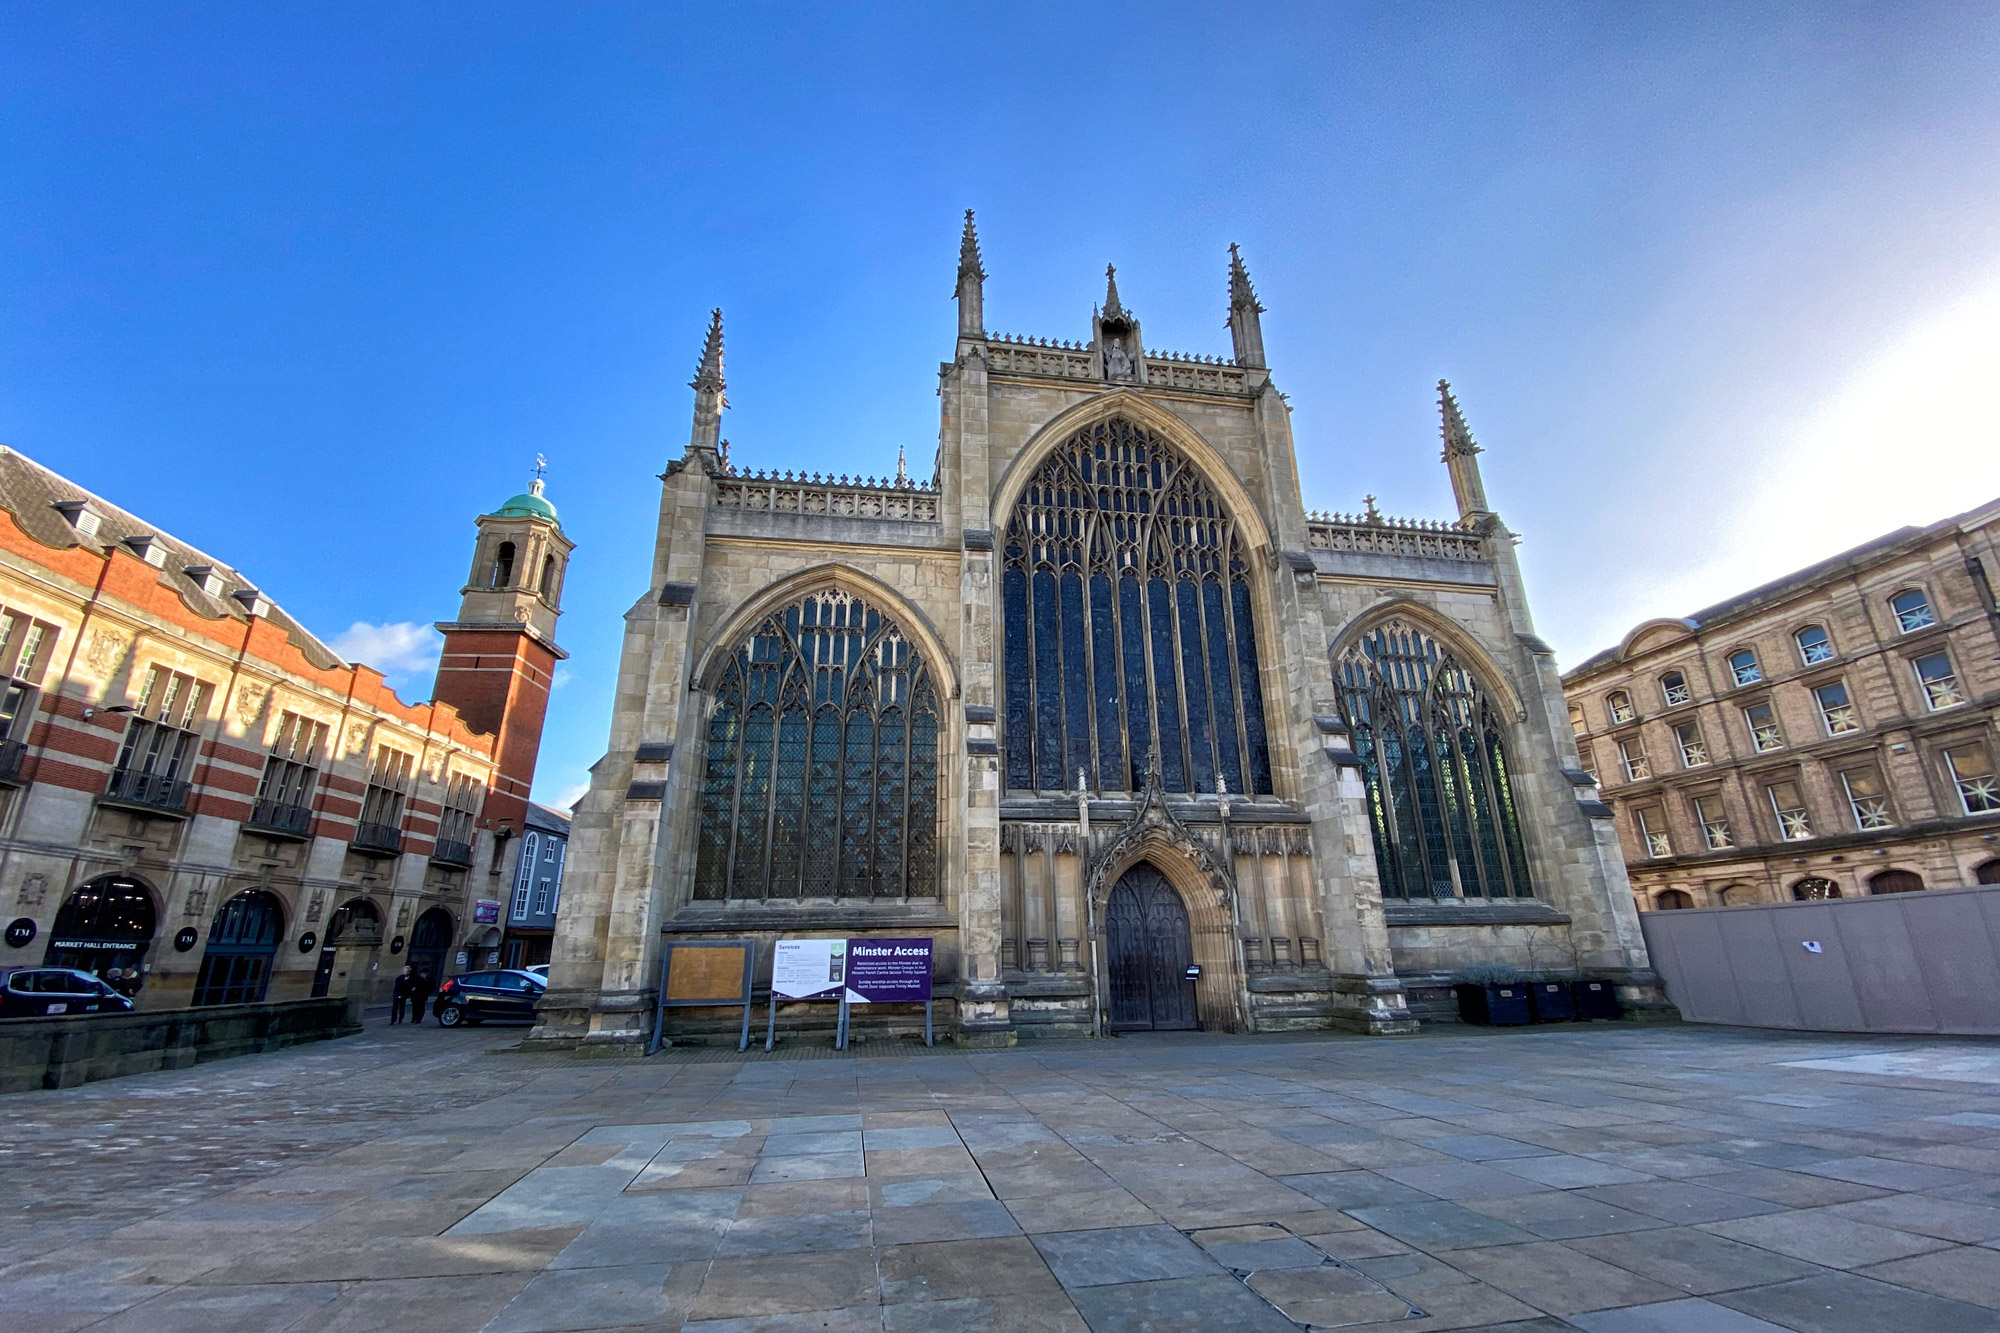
1150,948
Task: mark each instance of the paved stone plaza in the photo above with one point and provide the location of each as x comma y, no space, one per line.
1611,1179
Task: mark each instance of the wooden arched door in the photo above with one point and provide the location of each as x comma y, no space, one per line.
1151,948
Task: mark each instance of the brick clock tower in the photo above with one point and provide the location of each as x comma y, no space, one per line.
500,654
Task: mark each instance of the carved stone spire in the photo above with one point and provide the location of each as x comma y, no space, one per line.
1461,456
971,292
1112,309
710,395
1246,330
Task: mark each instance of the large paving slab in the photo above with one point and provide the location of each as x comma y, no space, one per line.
1600,1178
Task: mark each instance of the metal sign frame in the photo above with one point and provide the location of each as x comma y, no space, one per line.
749,948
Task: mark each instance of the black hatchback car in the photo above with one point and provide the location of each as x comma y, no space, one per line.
478,996
37,992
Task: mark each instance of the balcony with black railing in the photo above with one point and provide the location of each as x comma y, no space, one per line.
158,792
451,852
280,818
378,839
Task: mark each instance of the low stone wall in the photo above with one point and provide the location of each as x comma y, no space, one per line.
37,1053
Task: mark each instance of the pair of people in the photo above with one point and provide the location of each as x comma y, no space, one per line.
412,991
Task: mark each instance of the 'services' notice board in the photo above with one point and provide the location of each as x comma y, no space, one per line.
808,969
697,973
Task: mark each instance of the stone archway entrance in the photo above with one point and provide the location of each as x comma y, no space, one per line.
1150,950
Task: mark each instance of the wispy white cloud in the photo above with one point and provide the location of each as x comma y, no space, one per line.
405,653
562,677
565,796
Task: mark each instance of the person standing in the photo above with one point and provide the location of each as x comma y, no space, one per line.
420,996
401,995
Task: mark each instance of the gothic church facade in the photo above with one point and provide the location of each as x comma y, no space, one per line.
1101,708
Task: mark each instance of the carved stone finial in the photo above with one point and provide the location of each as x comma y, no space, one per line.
1372,514
902,468
1457,439
708,375
1242,296
969,265
1112,308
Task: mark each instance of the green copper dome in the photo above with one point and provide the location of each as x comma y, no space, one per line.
529,504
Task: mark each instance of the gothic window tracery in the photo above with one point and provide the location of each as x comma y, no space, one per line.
1431,744
822,764
1126,617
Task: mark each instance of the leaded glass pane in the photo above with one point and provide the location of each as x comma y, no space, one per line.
1135,543
1439,794
816,796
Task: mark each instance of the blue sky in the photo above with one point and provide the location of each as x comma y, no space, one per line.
311,285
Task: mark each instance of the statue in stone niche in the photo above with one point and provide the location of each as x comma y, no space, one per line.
1117,365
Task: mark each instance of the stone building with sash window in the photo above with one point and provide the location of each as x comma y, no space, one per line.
1100,707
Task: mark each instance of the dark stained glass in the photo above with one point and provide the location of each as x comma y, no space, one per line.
1429,739
833,792
1201,740
1048,684
1138,694
1253,691
718,790
1117,626
1020,684
1104,670
1166,689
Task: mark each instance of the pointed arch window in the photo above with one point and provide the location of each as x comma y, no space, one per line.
1125,595
822,760
1432,747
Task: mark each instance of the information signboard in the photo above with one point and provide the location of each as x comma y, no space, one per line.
888,971
486,912
808,969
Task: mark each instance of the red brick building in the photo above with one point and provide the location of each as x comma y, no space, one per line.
200,795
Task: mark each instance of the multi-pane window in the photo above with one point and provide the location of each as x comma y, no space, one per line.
1125,590
1674,689
1576,723
1866,799
1763,725
25,644
1714,824
821,776
550,887
463,793
162,741
1633,755
1694,750
1431,743
1814,645
1913,610
1971,770
1794,825
524,876
1743,668
1836,710
381,824
1653,833
1587,756
1619,705
1938,681
285,793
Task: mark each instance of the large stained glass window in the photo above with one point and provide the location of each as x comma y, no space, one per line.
822,767
1126,599
1429,738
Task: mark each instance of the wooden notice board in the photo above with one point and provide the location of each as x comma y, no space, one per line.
704,973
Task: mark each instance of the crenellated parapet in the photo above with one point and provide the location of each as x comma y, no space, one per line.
841,497
1057,358
1380,535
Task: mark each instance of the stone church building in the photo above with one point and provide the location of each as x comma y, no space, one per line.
1100,707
